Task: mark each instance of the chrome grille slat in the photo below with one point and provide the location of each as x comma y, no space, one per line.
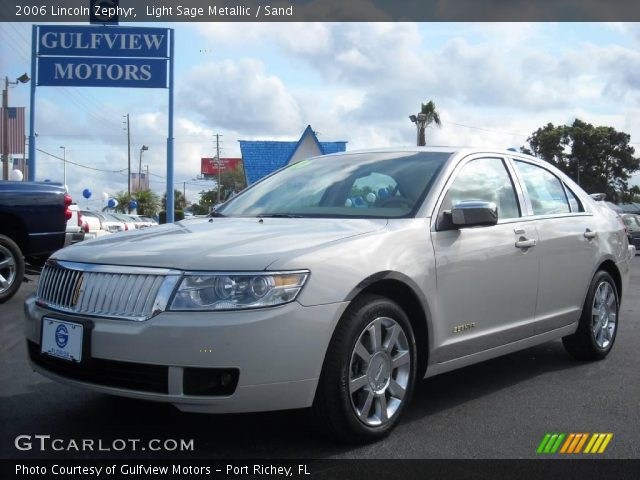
106,292
58,287
148,303
134,293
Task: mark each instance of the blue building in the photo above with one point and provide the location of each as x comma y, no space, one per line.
260,158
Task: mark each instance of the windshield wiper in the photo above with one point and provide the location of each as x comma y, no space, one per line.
278,215
216,214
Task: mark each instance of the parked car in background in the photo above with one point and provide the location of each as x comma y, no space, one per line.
75,230
142,221
336,283
138,222
128,222
33,218
96,223
633,228
149,221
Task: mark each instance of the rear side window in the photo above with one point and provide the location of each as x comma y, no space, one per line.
574,202
545,190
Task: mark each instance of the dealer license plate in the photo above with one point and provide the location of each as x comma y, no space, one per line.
61,339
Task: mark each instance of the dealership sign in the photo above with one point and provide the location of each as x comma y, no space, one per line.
209,166
102,56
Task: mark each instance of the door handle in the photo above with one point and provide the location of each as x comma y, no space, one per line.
588,234
526,243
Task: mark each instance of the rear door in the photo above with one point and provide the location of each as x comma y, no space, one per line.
568,245
486,277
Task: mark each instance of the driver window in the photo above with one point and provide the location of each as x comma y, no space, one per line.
484,179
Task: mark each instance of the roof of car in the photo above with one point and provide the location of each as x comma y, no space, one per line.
439,148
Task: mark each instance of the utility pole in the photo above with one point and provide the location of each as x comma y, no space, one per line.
184,192
128,156
219,164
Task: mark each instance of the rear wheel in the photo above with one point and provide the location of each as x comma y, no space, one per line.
598,325
11,268
369,371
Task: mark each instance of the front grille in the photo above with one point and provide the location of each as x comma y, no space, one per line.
109,373
106,292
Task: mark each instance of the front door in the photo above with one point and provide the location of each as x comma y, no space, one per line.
487,277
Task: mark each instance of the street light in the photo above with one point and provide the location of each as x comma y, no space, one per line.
144,148
24,78
64,166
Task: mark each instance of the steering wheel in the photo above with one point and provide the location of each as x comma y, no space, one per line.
390,201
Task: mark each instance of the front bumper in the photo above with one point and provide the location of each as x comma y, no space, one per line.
278,353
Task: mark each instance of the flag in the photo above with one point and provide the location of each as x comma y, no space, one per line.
15,130
139,187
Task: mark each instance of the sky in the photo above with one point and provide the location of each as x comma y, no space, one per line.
493,84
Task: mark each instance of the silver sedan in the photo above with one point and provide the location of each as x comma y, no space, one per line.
334,284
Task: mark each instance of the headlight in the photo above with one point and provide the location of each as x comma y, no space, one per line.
231,291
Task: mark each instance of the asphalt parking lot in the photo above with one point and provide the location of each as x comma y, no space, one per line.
498,409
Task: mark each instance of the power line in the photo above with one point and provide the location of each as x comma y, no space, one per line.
79,164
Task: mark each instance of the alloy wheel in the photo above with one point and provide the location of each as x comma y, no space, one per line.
7,269
379,371
604,314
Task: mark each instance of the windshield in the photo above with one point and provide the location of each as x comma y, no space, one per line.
364,185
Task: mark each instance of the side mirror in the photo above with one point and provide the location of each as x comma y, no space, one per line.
474,214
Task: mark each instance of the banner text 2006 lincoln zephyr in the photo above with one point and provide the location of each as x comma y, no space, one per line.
336,283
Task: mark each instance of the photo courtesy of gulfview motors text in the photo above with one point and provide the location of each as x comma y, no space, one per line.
319,239
176,469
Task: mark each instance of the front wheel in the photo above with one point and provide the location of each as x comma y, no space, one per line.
369,371
598,324
11,268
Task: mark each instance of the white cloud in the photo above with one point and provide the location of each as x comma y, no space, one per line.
231,95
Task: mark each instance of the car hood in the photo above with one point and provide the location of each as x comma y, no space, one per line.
218,243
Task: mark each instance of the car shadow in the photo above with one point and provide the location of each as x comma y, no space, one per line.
70,413
449,390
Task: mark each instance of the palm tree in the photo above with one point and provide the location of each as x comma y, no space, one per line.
123,199
148,202
179,200
428,115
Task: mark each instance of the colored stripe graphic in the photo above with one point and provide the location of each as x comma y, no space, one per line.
573,443
598,442
550,443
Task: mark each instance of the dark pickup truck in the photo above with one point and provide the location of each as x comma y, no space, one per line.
33,218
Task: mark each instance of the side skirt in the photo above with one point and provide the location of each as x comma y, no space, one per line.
438,368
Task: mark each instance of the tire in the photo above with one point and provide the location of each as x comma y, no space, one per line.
596,332
353,411
11,268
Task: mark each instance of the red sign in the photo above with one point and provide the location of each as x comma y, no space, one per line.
209,166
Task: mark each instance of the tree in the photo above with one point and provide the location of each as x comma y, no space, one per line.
599,159
180,202
428,115
231,183
148,203
123,199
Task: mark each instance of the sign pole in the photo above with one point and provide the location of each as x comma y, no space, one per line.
32,106
170,199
